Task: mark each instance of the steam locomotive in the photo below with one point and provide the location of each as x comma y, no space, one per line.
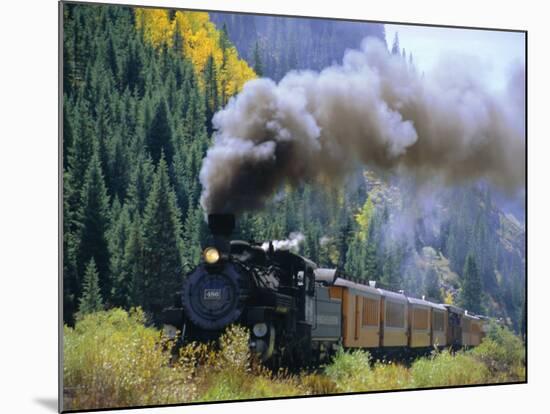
299,314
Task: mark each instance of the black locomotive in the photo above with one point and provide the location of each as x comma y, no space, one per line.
270,291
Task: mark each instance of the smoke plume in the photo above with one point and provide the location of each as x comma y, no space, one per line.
373,110
292,243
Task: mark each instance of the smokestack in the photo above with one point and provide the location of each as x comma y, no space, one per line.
221,226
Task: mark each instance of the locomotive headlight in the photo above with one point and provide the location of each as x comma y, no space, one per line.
211,255
259,329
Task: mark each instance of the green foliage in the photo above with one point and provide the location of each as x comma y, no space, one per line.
503,353
140,185
94,223
71,280
211,94
350,370
364,217
432,287
258,65
125,104
446,369
392,269
159,135
118,240
291,44
355,371
133,265
162,257
91,296
470,294
193,236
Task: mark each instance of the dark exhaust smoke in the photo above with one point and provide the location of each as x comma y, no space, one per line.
372,110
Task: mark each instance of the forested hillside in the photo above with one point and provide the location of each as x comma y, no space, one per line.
140,89
274,45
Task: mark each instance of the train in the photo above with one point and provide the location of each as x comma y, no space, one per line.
298,313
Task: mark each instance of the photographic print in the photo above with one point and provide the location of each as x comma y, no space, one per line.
260,206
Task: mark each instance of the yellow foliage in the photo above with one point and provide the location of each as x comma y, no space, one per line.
363,218
155,24
448,298
201,39
111,359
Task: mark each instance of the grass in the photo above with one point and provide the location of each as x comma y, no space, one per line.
112,359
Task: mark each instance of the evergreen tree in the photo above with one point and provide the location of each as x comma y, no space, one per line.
225,43
141,181
355,259
177,38
94,224
470,293
118,238
312,247
412,280
133,78
432,288
292,62
80,152
371,260
411,61
391,272
395,49
162,242
71,281
133,265
91,295
112,58
193,237
159,135
68,137
118,167
211,98
258,65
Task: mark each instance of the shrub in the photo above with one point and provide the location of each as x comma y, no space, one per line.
234,349
111,359
503,353
445,369
389,376
229,373
350,371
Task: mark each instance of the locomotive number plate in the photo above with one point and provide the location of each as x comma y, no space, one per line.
212,294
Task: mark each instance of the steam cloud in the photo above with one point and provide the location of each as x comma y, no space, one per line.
373,110
292,243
